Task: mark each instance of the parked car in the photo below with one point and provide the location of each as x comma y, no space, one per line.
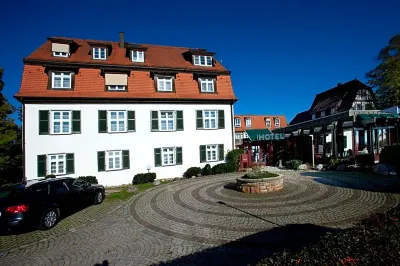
38,203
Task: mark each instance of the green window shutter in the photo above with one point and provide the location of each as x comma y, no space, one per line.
199,119
101,161
154,120
125,159
179,120
221,152
43,122
221,119
76,122
102,121
131,121
157,157
41,165
203,153
70,163
178,155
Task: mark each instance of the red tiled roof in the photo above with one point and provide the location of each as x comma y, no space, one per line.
258,122
89,82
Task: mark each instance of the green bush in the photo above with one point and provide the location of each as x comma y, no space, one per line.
391,155
233,160
143,178
219,168
365,159
50,176
90,179
293,164
263,174
206,170
192,171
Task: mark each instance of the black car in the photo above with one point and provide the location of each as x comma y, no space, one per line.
39,202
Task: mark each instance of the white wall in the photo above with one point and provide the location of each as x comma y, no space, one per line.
141,143
349,135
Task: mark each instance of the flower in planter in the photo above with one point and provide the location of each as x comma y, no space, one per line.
349,261
298,261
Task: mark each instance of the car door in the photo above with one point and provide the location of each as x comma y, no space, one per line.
80,191
61,194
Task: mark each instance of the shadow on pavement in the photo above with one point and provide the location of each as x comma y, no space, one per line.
253,248
357,181
104,263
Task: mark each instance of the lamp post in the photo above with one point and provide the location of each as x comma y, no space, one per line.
148,167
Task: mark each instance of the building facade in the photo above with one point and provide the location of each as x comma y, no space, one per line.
116,109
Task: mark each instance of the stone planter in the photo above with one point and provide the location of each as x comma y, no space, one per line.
261,185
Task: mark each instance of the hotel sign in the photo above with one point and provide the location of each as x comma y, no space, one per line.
270,136
263,134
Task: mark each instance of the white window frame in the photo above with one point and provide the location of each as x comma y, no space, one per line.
116,87
139,56
167,119
246,120
60,54
100,49
168,151
333,110
197,60
210,148
277,122
239,135
117,119
63,76
268,123
57,160
313,116
208,83
322,113
114,157
163,81
61,120
210,119
238,124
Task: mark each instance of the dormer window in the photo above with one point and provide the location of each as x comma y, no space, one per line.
202,60
206,84
277,122
60,54
248,122
60,49
137,56
333,110
100,53
322,113
313,116
61,80
268,122
237,122
165,84
116,81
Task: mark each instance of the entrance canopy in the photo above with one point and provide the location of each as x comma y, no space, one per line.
263,134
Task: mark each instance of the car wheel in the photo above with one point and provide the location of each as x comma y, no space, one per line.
98,197
49,219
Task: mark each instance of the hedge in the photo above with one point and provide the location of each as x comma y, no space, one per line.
233,160
143,178
365,159
192,171
293,164
391,155
206,170
90,179
219,169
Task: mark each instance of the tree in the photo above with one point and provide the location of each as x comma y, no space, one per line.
385,78
10,141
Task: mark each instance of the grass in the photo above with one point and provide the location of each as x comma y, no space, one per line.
258,175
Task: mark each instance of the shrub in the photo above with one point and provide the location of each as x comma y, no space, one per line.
256,175
50,176
294,164
365,159
206,170
143,178
390,155
233,160
192,171
90,179
219,169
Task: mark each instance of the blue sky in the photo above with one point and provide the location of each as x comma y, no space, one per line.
281,53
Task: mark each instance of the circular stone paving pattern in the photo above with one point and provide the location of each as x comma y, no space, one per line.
211,211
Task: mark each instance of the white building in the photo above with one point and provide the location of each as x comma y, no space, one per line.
113,110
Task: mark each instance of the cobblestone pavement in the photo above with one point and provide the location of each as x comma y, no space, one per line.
206,221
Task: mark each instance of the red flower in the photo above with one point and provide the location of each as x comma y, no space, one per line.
349,261
298,261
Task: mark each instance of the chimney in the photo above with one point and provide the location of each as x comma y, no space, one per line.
121,39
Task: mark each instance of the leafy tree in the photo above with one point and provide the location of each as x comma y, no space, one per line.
385,78
10,141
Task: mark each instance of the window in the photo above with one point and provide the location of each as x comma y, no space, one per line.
333,110
167,121
116,87
277,122
359,106
99,53
268,122
138,56
207,84
237,122
239,135
202,60
61,54
248,122
113,160
210,119
60,122
61,80
313,116
322,113
57,163
168,156
164,84
211,151
117,121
